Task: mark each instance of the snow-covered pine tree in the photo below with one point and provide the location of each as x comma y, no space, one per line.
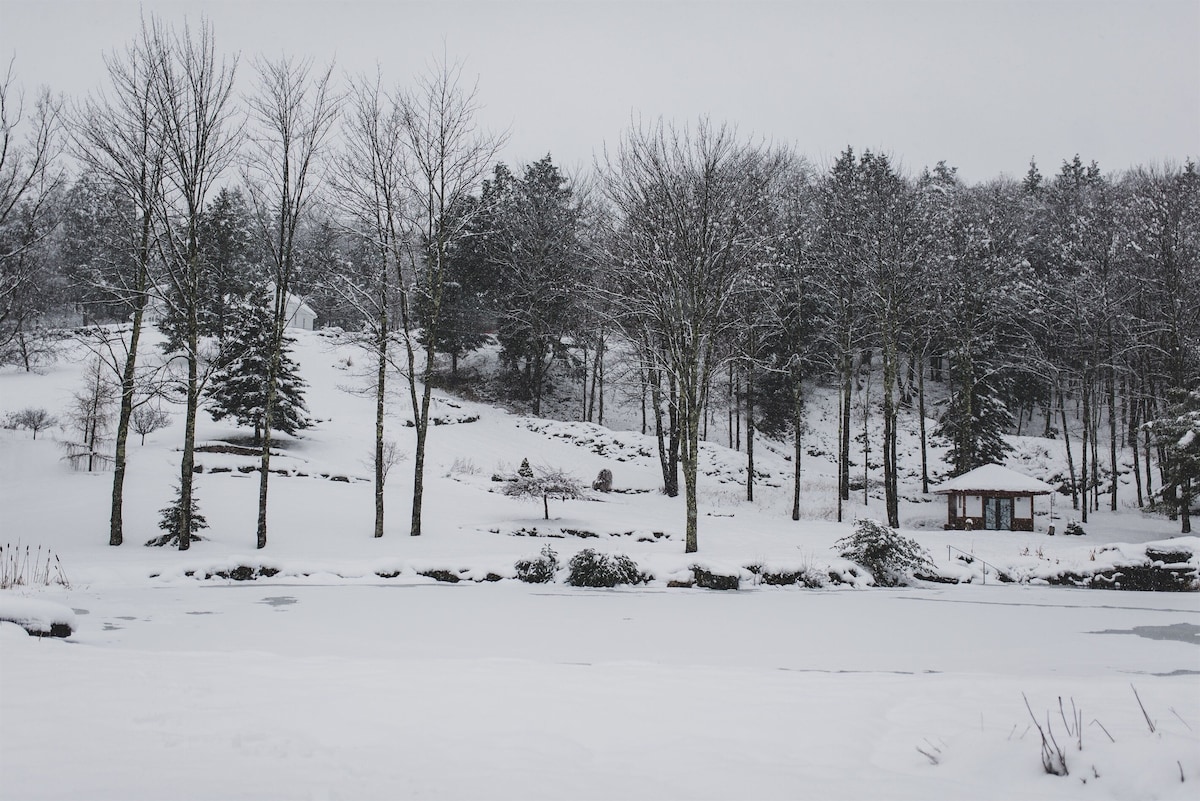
239,388
973,421
1178,433
169,518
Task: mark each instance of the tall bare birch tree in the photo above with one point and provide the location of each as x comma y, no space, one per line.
117,133
293,112
448,157
193,94
369,184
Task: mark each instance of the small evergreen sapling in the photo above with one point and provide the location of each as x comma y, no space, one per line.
891,557
168,521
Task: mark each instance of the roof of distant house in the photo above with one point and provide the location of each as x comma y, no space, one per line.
994,478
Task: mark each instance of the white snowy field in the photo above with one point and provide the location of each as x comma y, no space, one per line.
329,681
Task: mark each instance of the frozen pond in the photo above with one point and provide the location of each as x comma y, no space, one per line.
515,691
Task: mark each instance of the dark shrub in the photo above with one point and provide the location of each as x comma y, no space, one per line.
589,568
540,570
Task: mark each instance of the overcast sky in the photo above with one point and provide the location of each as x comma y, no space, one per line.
982,84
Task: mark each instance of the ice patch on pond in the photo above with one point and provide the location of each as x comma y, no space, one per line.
1181,632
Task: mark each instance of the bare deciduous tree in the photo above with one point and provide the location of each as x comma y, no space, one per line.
193,94
30,144
369,186
148,419
448,157
687,201
117,134
293,111
33,418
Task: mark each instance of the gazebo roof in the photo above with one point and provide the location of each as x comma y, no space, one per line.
994,478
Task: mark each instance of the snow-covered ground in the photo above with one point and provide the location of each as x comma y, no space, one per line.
328,681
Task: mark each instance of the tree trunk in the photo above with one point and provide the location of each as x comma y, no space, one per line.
797,428
116,520
691,463
841,455
921,423
668,440
599,374
419,453
278,319
1087,425
597,361
866,447
380,394
1185,506
643,382
1112,433
731,405
1132,436
187,463
750,433
890,413
1062,408
844,444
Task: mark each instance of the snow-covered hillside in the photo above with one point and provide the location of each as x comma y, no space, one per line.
349,672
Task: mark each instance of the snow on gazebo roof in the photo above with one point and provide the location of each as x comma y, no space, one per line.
994,478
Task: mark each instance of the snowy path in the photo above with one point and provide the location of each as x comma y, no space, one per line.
512,691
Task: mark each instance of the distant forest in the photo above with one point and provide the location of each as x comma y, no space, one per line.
710,265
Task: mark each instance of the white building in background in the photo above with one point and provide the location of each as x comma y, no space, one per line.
299,313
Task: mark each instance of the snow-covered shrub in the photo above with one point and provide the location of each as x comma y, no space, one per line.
589,568
891,557
540,570
1074,528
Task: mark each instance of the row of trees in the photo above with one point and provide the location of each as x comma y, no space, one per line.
715,265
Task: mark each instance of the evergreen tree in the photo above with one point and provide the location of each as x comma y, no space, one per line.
465,314
169,518
238,389
1178,433
539,255
227,244
973,422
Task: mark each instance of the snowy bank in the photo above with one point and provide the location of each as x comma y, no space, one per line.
39,618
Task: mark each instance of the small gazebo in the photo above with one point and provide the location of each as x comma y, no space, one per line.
991,497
